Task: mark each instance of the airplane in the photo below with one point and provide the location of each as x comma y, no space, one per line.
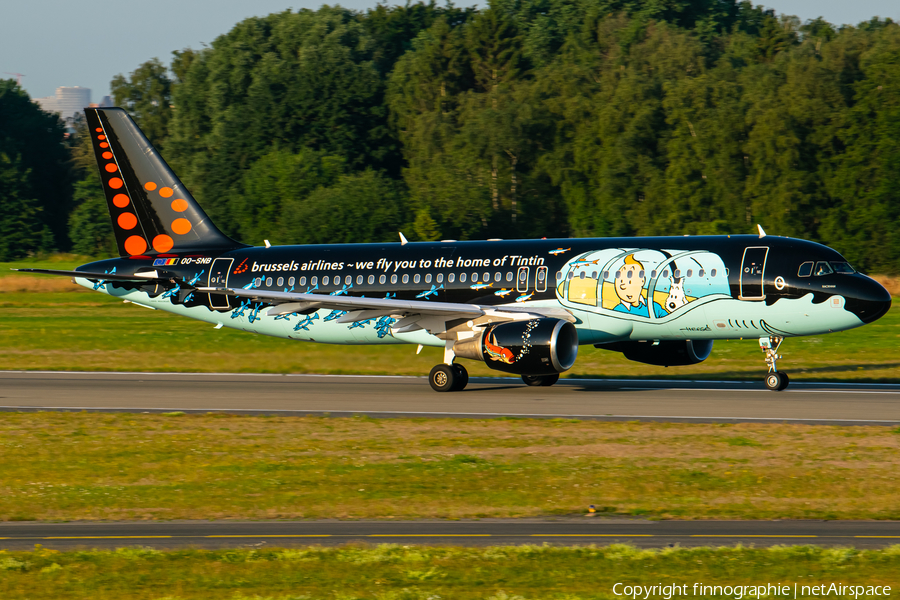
656,300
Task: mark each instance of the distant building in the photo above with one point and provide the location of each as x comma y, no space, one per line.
68,102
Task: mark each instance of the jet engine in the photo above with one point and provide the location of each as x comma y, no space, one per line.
533,347
665,353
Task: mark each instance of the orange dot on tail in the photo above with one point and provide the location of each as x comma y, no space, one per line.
104,145
149,186
166,192
121,200
181,226
127,220
135,245
107,155
99,129
179,205
163,243
101,137
111,167
115,183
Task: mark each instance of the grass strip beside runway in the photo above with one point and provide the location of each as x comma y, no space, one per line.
67,466
45,328
393,572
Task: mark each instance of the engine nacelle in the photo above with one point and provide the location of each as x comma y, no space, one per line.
533,347
669,353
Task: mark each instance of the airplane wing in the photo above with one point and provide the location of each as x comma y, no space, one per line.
152,275
413,314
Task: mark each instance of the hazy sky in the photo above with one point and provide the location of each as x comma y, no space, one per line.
86,43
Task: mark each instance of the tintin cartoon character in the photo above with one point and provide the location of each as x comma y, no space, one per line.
630,280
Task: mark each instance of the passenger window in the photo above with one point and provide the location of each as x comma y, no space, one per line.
280,281
823,268
394,278
382,279
417,278
302,281
474,277
641,274
498,276
451,278
712,273
805,269
593,274
487,277
701,273
428,278
677,273
571,275
580,275
314,281
690,272
665,273
348,280
268,281
257,282
291,282
509,276
653,274
605,274
462,277
325,280
559,275
406,278
371,279
440,277
359,279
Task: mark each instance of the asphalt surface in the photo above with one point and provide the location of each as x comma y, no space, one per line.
572,531
671,401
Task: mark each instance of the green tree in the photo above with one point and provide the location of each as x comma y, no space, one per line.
147,95
36,173
89,224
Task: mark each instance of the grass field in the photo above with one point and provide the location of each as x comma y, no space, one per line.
44,327
391,572
64,466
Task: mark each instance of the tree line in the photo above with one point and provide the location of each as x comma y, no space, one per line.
528,118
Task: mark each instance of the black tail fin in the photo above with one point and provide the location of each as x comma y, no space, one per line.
152,212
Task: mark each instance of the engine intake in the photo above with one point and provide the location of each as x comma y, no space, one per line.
664,354
533,347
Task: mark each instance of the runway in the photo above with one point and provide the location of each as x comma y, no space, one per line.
646,400
572,531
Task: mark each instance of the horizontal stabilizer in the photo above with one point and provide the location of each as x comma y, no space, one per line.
150,276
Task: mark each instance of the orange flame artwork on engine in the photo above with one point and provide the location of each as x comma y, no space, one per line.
497,352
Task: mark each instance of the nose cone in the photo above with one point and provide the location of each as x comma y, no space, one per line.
867,299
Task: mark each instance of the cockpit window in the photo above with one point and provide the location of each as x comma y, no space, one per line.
842,267
823,268
805,269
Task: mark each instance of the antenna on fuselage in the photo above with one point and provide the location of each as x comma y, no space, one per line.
762,233
403,240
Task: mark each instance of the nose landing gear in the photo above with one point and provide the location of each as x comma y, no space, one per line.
776,380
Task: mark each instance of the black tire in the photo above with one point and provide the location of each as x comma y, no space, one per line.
776,381
542,380
533,380
548,380
785,381
462,378
443,378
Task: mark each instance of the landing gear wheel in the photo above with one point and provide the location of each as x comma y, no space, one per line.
443,378
777,381
542,380
462,378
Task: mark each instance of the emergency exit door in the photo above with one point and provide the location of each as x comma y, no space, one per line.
753,269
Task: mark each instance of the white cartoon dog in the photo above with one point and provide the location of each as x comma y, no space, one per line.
676,297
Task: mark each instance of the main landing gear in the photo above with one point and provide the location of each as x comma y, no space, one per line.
448,378
776,380
542,380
